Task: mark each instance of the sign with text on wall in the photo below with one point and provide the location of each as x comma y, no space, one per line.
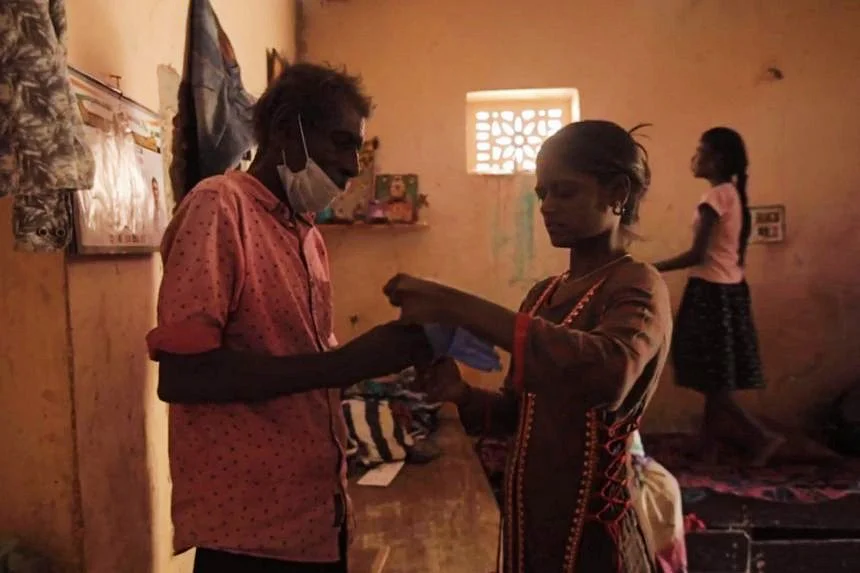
768,224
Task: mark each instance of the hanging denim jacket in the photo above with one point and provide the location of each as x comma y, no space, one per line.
214,125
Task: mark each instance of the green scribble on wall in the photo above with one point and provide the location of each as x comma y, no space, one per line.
500,238
524,230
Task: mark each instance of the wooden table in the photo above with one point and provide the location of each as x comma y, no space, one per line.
435,518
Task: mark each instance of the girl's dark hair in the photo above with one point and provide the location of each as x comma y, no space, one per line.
607,151
730,154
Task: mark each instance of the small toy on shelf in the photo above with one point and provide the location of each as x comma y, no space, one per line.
324,217
376,212
400,198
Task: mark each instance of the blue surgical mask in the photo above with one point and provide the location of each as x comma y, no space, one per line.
309,190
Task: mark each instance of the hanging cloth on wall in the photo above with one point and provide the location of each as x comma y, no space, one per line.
43,153
213,127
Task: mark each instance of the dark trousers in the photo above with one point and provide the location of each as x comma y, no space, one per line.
214,561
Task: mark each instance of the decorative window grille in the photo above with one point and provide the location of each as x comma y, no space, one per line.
506,128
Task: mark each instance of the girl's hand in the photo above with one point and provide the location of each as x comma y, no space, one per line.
420,301
443,383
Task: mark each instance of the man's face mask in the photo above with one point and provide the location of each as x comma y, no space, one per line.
309,190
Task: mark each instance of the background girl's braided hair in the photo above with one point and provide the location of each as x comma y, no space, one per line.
730,155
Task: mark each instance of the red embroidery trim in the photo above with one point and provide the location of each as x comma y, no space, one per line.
521,331
589,470
602,439
614,494
550,288
511,494
529,401
571,316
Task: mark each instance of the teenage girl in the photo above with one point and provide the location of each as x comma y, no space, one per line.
587,345
715,348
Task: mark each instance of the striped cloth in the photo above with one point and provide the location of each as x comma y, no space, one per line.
376,436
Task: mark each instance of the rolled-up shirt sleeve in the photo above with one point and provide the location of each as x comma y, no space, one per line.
203,274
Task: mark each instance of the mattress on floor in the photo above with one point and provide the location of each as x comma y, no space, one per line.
731,495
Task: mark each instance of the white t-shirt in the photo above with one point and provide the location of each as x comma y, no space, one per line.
722,260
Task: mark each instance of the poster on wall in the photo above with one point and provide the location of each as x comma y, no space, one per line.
768,224
127,209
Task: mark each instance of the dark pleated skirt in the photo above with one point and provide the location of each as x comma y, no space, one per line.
715,346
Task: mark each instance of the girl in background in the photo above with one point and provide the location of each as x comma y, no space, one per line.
715,348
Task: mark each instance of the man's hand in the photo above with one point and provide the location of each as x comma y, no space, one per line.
388,349
443,383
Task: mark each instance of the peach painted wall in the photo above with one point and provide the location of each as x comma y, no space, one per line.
72,346
38,479
682,65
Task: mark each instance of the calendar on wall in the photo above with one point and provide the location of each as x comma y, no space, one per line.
128,207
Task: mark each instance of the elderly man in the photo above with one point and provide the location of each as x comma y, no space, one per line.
247,356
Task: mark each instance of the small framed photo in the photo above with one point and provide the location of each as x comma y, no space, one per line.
398,193
768,224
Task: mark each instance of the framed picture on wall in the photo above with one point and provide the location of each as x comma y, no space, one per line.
127,209
768,224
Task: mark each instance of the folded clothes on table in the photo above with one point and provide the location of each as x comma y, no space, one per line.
387,422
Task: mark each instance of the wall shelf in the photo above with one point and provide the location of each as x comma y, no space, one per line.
404,227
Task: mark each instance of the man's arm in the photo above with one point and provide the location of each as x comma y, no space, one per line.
225,376
204,273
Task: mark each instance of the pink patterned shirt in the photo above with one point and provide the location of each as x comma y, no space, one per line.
258,479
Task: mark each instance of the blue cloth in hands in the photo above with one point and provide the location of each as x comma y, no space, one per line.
463,346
